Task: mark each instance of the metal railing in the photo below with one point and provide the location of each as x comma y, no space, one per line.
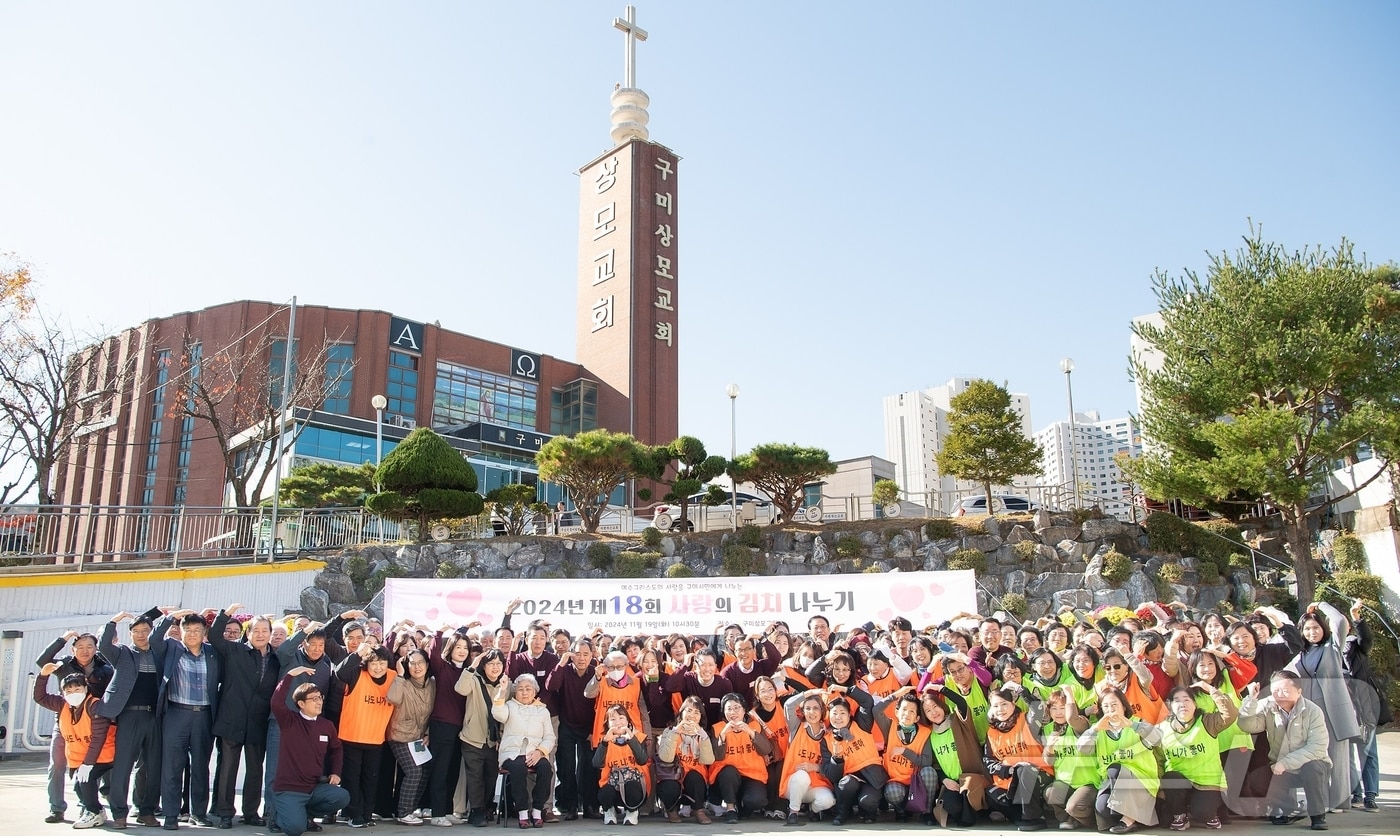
98,536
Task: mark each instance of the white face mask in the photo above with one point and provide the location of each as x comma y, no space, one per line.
804,661
616,676
76,698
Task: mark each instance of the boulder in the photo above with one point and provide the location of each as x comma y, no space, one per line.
1140,588
406,558
375,608
1042,520
1056,533
1093,579
1209,596
869,538
339,588
1070,550
1080,599
1185,593
1047,583
821,554
1036,608
316,604
1111,597
1245,593
935,561
1019,533
900,547
531,555
1103,529
1004,556
1016,581
993,584
982,542
992,526
668,546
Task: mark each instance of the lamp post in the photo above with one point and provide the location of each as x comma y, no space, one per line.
1067,366
378,402
732,390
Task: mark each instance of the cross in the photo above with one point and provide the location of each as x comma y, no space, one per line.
634,33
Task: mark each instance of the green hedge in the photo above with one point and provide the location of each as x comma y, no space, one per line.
739,561
634,564
974,559
1350,554
679,570
1117,567
599,555
1014,603
1168,533
941,528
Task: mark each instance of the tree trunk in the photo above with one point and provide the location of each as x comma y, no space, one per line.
1295,519
987,490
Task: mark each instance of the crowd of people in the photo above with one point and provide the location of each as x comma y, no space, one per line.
1168,718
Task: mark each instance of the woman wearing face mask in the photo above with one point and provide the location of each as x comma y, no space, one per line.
615,684
1128,774
527,740
794,668
623,781
1194,780
957,789
739,776
1015,758
1076,784
1323,676
772,721
480,733
802,779
684,753
1128,676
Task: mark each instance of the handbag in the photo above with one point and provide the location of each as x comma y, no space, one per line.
667,771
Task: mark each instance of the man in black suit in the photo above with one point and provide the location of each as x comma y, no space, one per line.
251,672
186,703
130,702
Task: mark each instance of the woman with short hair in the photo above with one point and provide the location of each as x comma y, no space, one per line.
684,753
1191,747
621,758
527,740
1128,774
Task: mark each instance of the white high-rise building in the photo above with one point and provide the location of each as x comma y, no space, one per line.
916,423
1097,441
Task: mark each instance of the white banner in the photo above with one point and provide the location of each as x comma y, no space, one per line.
685,605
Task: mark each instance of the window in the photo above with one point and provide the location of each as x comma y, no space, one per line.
340,378
402,386
276,363
148,490
463,395
574,408
186,440
338,446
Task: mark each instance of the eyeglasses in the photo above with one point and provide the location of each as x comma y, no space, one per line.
313,698
1114,667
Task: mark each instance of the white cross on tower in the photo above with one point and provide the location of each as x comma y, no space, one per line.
634,33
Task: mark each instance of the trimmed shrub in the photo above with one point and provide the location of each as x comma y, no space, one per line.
1208,573
1350,554
1242,560
651,536
738,561
1352,585
448,569
1014,603
634,564
1210,546
679,570
1168,533
1171,572
974,559
375,582
599,555
884,492
750,535
850,547
1116,567
1081,515
357,567
1025,550
872,570
941,528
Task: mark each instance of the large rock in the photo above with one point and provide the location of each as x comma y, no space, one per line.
982,542
992,526
1245,593
1042,520
1056,533
1211,595
900,548
1112,598
993,584
821,554
1140,588
1048,583
531,555
339,588
1080,599
1071,550
1019,533
935,561
1016,581
1093,577
1103,529
316,604
1185,593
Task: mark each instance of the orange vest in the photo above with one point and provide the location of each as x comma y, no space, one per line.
898,767
802,749
857,751
882,687
620,756
77,735
739,752
365,713
628,696
777,731
1145,704
1015,746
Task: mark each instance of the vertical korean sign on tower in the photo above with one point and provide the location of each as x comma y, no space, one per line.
628,276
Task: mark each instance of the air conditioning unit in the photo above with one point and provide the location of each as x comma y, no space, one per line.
400,421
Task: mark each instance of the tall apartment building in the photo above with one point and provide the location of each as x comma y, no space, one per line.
1096,442
916,423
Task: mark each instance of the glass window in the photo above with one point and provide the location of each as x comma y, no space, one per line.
401,388
340,378
464,395
574,408
276,362
337,446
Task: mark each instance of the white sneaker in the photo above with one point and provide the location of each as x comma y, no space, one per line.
87,820
609,817
425,813
451,817
685,811
411,818
630,818
440,821
1066,825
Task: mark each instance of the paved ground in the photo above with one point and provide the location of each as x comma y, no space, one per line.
23,807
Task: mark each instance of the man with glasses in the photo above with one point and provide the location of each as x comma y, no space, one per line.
309,758
251,672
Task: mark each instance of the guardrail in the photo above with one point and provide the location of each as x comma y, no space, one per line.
92,537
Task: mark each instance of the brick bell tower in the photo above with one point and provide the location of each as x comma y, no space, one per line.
628,261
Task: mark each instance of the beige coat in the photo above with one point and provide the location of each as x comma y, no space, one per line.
1292,742
412,705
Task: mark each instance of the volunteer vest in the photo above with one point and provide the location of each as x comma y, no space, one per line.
1146,705
1193,753
802,749
1132,753
976,705
739,752
1231,737
776,729
77,735
858,750
1071,767
898,767
628,696
945,751
881,687
1015,746
365,713
1041,690
618,757
1083,697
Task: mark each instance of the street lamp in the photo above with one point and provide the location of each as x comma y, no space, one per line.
1067,366
732,390
378,402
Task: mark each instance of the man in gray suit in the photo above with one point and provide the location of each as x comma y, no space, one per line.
130,702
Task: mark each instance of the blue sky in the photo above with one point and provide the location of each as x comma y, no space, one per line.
875,197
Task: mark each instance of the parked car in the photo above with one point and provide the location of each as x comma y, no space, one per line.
698,514
1001,504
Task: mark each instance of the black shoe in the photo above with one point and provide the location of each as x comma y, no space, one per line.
592,813
254,821
814,815
202,821
226,822
838,821
1369,805
273,828
731,816
927,819
1032,825
1319,823
170,824
1284,819
793,820
313,827
570,815
1117,829
54,817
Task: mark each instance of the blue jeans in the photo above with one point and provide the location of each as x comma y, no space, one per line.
295,808
274,743
1368,780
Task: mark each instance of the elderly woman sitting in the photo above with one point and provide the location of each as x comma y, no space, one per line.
527,739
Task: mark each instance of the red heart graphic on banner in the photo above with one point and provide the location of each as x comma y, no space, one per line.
464,602
905,596
885,615
935,589
431,614
486,618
